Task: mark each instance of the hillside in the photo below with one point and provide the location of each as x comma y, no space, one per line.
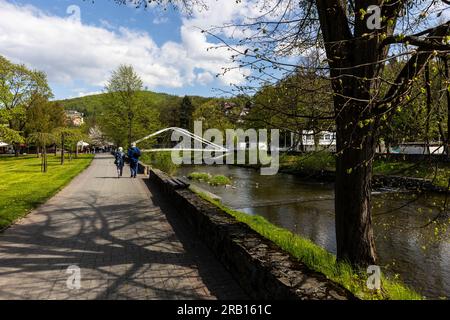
92,105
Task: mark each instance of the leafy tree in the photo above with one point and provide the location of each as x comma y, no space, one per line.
186,111
68,138
127,117
9,136
212,116
19,87
123,88
44,116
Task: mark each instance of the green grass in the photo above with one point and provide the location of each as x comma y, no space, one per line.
320,260
218,180
23,186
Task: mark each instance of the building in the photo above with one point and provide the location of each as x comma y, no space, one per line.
6,148
75,118
309,141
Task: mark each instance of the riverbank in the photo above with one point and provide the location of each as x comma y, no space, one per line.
314,257
318,259
411,242
426,175
24,186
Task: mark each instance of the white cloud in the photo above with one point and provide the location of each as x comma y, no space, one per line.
160,20
205,78
68,50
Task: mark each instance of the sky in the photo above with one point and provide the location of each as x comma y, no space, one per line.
79,43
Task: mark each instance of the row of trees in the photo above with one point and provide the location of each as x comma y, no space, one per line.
28,116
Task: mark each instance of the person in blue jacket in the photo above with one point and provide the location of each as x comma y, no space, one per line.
119,161
133,154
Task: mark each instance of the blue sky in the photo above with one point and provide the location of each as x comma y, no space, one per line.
78,52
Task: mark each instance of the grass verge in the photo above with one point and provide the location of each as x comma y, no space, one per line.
24,186
320,260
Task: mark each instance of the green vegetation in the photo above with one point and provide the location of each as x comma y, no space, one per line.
24,105
317,161
200,176
439,173
218,180
320,260
160,160
24,187
165,106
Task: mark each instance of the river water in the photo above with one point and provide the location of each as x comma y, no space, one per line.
408,248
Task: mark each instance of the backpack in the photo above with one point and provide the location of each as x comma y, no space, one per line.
137,152
118,159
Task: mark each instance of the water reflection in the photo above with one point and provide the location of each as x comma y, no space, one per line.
407,243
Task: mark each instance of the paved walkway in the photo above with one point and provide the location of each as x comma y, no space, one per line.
127,243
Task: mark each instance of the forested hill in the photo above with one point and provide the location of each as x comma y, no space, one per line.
94,104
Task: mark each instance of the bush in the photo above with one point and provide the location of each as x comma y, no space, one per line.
316,161
160,160
200,176
220,181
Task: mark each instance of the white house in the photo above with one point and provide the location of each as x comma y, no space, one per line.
290,141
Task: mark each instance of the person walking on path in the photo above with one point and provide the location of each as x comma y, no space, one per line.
133,154
119,161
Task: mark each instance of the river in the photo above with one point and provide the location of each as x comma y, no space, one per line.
408,248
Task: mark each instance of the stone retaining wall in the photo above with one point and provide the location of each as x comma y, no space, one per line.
263,270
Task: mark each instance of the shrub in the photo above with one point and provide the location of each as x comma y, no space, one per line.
218,180
316,161
200,176
160,160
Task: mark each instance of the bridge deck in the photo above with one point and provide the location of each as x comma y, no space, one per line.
128,243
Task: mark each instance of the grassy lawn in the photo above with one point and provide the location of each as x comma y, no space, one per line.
23,186
320,260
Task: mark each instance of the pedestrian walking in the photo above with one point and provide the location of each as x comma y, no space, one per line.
119,161
133,155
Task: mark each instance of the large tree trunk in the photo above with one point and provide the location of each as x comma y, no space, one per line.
16,149
355,150
447,93
62,148
428,109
